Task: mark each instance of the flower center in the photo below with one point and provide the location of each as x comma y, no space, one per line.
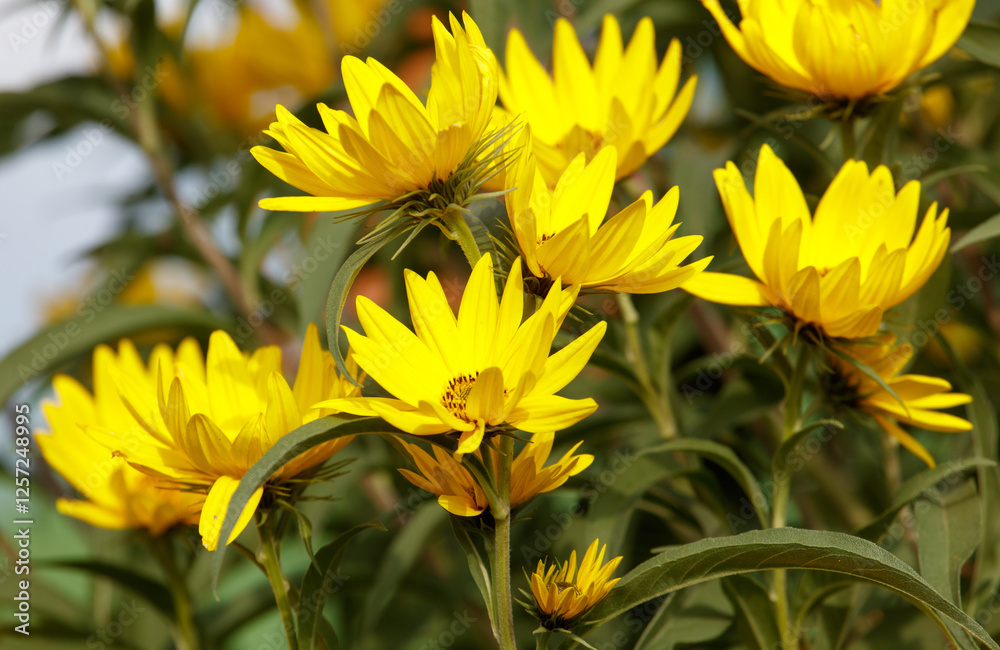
456,393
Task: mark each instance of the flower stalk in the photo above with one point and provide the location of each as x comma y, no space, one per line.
268,556
782,490
456,229
504,606
658,405
185,632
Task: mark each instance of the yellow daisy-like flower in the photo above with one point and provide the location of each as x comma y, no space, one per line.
846,49
920,397
393,145
624,101
479,370
210,419
562,593
838,270
458,492
562,233
83,426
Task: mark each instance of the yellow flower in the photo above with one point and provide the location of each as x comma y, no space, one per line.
843,48
481,370
562,593
922,397
458,492
394,145
82,425
210,419
624,101
838,271
561,234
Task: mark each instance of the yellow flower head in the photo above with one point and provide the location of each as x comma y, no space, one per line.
84,426
838,270
845,49
393,145
458,492
562,233
624,101
562,593
920,397
210,419
479,370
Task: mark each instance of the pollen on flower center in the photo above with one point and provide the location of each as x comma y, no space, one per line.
456,393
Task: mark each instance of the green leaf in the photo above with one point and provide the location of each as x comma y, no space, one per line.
315,589
948,529
344,279
781,548
148,588
399,558
986,438
787,451
756,610
981,41
727,459
686,619
69,339
986,230
916,486
477,568
288,447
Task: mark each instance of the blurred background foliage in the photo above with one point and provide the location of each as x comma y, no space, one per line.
207,76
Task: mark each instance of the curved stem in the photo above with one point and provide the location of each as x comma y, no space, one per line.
269,559
185,633
456,229
542,639
782,491
501,553
658,405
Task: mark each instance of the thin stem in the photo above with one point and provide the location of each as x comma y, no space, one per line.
847,137
456,229
542,639
268,552
185,633
501,559
782,490
658,405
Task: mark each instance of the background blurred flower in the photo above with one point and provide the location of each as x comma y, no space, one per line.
921,398
839,270
84,427
228,81
458,492
483,369
562,234
622,101
209,420
393,145
843,48
562,593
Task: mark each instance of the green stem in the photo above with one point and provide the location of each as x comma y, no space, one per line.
658,405
782,491
542,639
501,558
847,137
268,552
456,229
185,632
